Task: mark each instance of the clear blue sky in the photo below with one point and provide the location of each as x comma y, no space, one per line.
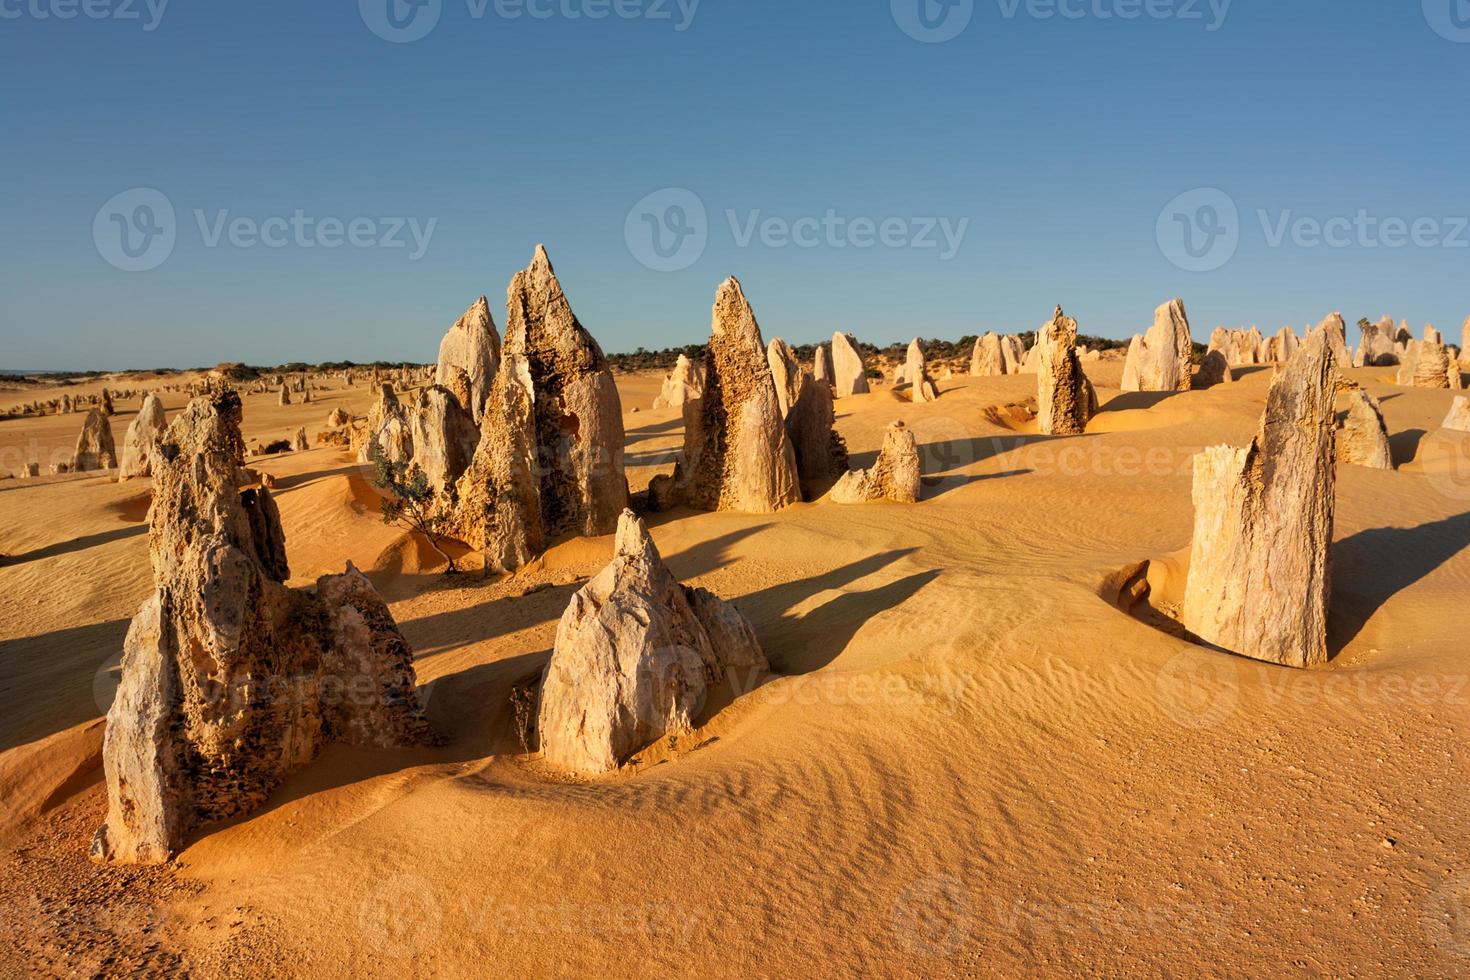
1060,140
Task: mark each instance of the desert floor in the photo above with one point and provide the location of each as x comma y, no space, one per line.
972,763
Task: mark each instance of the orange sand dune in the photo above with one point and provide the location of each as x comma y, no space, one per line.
970,762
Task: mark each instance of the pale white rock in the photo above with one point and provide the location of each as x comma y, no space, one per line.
894,476
636,656
140,445
471,346
849,373
683,385
737,455
916,373
785,372
1259,576
1362,438
95,447
1459,417
988,359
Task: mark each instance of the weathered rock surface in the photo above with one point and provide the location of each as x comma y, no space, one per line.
822,364
1336,330
388,429
850,374
1214,369
1259,574
916,373
1283,345
894,476
1459,417
444,438
284,398
550,457
821,453
1065,397
988,359
785,372
471,346
230,680
1428,364
140,445
94,445
1377,346
636,655
1164,354
338,418
683,385
736,455
1362,437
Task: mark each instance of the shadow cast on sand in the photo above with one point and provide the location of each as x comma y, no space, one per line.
1404,446
1130,400
1373,566
77,544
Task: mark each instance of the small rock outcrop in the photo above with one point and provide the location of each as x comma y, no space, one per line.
1214,369
230,680
550,456
1284,345
1065,398
821,453
849,373
140,445
988,359
388,430
444,438
1458,420
683,385
95,448
785,372
916,373
894,476
1259,574
636,655
1362,437
1377,348
1160,360
822,365
1428,363
300,443
284,398
737,455
471,346
1336,330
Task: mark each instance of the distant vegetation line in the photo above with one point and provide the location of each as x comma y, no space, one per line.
638,360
